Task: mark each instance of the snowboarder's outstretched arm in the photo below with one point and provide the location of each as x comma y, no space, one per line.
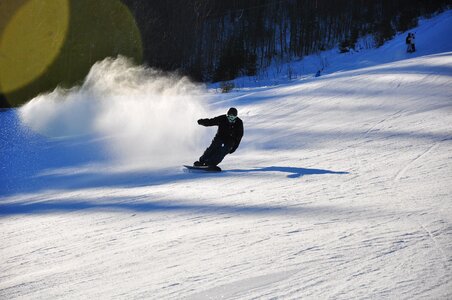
209,122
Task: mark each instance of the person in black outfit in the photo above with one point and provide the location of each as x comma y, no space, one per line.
410,43
226,141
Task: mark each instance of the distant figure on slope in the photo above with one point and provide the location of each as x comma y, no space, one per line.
226,141
410,43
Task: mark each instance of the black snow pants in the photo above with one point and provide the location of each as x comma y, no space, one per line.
215,153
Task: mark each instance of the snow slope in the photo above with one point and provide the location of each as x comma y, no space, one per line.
341,189
432,36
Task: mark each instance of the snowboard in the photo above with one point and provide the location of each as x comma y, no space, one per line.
203,168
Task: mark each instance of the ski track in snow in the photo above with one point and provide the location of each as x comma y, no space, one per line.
402,172
340,189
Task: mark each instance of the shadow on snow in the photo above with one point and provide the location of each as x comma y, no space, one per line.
124,205
292,172
143,207
32,184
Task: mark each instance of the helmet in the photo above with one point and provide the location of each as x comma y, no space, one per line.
232,112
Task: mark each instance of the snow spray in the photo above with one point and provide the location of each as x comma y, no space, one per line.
144,116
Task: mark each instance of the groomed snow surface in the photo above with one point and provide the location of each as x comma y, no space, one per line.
341,188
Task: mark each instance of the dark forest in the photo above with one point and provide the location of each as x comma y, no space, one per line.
216,40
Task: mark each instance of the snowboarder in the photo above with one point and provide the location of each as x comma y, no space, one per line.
410,47
226,141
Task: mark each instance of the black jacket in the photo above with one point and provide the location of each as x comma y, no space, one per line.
229,133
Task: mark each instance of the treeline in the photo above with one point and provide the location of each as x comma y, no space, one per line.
215,40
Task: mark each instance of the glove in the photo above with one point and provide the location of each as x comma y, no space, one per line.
200,121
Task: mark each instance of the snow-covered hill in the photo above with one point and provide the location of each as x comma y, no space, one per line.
341,188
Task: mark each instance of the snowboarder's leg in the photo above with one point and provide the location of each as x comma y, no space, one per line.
211,151
215,153
219,155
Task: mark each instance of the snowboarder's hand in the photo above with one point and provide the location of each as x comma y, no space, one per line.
203,122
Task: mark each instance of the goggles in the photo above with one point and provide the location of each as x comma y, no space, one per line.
231,118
